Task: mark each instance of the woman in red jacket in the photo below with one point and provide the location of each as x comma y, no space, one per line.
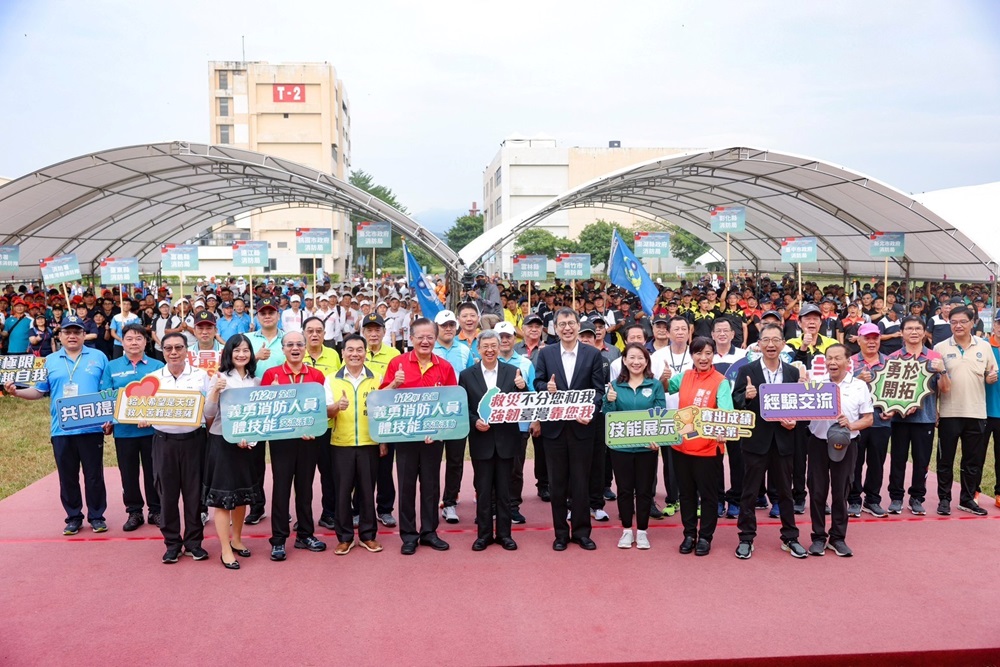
697,460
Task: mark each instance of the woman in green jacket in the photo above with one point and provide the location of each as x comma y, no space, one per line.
635,388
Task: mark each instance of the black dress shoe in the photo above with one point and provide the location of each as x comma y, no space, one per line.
704,546
242,553
134,521
481,543
687,546
559,544
408,548
235,565
585,542
507,543
545,495
434,542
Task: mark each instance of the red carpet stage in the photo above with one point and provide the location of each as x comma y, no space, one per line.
918,591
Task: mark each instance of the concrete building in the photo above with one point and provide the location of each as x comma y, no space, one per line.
297,111
526,173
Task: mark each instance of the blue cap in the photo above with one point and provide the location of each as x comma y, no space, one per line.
72,321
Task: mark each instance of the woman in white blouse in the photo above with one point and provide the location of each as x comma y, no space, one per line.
229,484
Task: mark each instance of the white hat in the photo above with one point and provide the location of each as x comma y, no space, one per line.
324,297
505,328
163,303
445,316
180,301
366,302
296,298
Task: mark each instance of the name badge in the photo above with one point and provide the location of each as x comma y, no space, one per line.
70,389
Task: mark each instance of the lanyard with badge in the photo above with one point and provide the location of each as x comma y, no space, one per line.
71,389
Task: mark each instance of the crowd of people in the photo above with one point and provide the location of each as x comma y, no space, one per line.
354,339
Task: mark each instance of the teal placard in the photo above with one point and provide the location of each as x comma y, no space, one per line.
531,267
250,255
178,258
10,257
409,415
119,271
728,219
374,235
887,244
638,428
61,269
573,266
655,245
798,249
275,412
313,241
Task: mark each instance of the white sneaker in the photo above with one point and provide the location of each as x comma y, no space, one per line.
626,541
449,514
599,515
641,541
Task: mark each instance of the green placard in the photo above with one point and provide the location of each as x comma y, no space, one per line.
728,219
409,415
530,267
798,249
274,412
119,270
250,255
313,241
374,235
655,245
62,269
573,266
638,428
178,258
887,244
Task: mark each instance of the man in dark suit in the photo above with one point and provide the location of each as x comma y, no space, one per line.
771,446
569,443
491,446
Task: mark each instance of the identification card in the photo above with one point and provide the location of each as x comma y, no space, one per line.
70,389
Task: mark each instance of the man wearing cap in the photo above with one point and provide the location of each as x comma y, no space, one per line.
421,459
873,443
74,370
532,328
486,296
228,325
377,358
207,350
460,358
891,333
292,319
17,328
401,316
832,454
661,334
328,320
134,445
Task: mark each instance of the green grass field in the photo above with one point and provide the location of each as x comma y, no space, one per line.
27,453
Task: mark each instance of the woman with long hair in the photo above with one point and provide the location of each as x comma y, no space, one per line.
635,388
229,484
698,460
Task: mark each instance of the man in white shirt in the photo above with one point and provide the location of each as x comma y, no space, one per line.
725,356
401,320
292,319
831,461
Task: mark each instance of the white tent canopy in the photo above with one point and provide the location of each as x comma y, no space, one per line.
971,209
785,195
128,201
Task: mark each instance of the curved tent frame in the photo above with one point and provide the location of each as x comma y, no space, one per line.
128,201
785,195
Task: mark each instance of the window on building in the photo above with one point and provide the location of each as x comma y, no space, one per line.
282,244
306,265
272,265
223,79
497,177
497,208
225,134
334,154
225,104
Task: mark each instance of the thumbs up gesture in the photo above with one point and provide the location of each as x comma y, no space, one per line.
518,380
398,379
751,390
551,386
343,403
263,353
611,394
667,373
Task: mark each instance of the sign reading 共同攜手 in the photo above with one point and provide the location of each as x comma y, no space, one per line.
901,385
404,415
543,406
274,412
799,400
85,410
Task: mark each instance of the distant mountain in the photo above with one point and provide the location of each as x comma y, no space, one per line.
439,220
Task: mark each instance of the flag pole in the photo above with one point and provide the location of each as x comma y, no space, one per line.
728,271
885,283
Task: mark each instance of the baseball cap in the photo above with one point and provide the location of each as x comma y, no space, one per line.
445,316
586,326
373,319
898,308
505,328
809,309
771,313
163,303
296,298
597,318
837,440
869,329
72,321
661,319
227,304
265,303
204,317
534,318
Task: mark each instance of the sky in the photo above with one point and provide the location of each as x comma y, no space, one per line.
905,92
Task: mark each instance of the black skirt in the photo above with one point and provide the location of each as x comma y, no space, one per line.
229,480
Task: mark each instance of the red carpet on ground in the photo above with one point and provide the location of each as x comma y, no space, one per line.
919,590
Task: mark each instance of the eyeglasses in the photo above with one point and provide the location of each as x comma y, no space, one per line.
566,325
174,348
960,323
770,340
293,345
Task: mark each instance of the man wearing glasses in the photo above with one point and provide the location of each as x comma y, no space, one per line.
72,371
969,367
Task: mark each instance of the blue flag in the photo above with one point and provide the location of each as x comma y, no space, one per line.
624,270
415,278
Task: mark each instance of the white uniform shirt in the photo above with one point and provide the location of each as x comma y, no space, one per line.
855,400
190,379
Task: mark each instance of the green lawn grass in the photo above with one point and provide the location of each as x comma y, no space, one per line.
27,452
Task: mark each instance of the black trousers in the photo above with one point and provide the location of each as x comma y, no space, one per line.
972,433
669,477
993,431
418,461
541,464
634,472
178,462
698,476
517,473
568,462
357,470
873,446
609,470
735,493
293,465
598,455
908,437
491,478
327,477
258,464
454,468
779,474
135,454
385,485
831,478
73,452
799,456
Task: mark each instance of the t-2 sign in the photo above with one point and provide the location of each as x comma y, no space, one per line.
288,92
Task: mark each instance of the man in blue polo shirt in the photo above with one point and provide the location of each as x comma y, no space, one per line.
134,445
72,371
460,356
